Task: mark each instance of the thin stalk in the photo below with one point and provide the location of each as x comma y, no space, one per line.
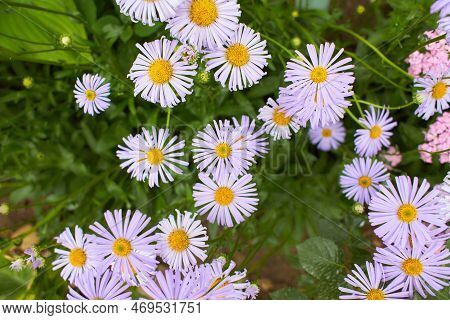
168,118
358,105
278,44
375,49
430,41
347,110
385,107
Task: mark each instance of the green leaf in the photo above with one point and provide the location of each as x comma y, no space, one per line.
30,31
320,257
88,9
287,294
13,283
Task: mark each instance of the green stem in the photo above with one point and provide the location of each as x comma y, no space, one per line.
375,49
33,7
422,45
384,107
347,110
435,152
168,118
358,105
279,44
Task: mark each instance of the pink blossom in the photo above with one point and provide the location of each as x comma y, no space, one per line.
437,139
393,156
435,54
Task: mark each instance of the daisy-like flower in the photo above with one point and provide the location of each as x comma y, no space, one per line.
319,87
444,196
148,156
368,142
371,285
221,150
126,247
444,24
255,142
228,200
252,291
182,241
17,265
433,88
205,23
441,6
424,269
276,122
328,137
403,213
160,75
91,94
147,11
97,286
361,178
240,61
77,259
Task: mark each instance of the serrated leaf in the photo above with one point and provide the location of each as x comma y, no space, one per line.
320,257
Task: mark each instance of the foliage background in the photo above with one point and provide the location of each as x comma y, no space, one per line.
58,166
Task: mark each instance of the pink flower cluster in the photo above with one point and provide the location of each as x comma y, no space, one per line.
436,54
392,156
437,139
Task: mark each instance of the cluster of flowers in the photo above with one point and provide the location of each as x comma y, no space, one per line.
437,139
435,55
34,260
106,264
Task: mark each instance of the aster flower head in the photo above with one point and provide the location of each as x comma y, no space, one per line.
220,150
379,124
328,137
205,23
370,285
255,141
441,6
34,260
147,11
319,87
361,178
444,24
126,247
92,94
99,286
182,240
276,121
78,259
444,197
160,75
240,61
18,264
228,200
402,213
152,156
422,269
435,93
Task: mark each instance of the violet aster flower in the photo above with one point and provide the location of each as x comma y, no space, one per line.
150,156
361,178
91,94
240,61
147,11
319,87
328,137
205,23
276,122
444,24
160,75
182,241
126,247
403,213
34,259
255,141
96,286
433,90
368,142
371,285
228,200
77,259
220,149
441,6
423,269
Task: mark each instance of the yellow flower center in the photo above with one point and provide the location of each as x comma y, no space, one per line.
237,54
318,74
178,240
439,90
77,257
365,182
155,156
203,12
279,117
121,247
375,294
223,150
407,213
412,267
375,132
326,133
224,196
90,95
160,71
